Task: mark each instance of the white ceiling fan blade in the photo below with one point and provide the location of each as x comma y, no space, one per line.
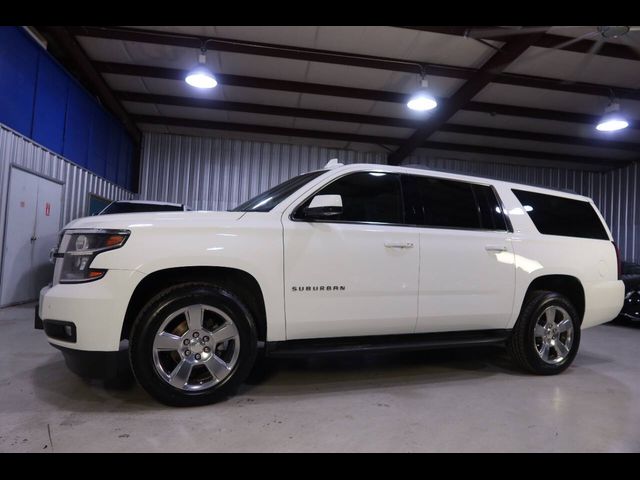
503,32
560,46
632,42
634,29
582,65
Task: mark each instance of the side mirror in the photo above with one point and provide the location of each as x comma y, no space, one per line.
324,206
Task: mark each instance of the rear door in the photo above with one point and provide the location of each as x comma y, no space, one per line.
467,272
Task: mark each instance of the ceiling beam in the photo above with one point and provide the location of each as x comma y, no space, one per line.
256,82
511,152
267,50
60,38
344,58
537,113
566,86
548,40
343,92
492,67
367,119
539,137
352,137
266,129
326,115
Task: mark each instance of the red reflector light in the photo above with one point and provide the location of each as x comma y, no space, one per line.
618,259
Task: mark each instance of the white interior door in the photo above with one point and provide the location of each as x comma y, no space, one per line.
48,217
30,231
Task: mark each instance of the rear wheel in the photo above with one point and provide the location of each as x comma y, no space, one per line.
546,337
193,344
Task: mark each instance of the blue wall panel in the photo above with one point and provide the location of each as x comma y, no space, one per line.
123,160
99,143
113,150
18,72
50,105
111,172
42,101
78,127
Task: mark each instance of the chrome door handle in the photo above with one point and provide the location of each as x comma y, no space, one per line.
398,244
495,248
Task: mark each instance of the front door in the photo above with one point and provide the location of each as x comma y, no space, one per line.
355,273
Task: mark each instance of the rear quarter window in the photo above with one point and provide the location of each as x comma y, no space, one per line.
553,215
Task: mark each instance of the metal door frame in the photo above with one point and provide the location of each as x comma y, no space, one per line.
13,165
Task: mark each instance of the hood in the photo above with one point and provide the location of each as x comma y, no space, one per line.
154,219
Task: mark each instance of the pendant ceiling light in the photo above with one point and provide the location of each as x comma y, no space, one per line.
612,120
422,100
201,76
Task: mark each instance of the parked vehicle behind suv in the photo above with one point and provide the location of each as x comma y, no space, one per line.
137,206
359,257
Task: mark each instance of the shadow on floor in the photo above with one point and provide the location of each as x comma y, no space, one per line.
56,385
625,323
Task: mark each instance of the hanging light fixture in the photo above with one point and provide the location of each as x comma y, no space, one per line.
422,100
201,76
612,120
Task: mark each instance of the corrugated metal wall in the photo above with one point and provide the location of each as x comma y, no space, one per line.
78,182
219,173
619,203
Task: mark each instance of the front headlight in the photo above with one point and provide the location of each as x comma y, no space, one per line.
78,248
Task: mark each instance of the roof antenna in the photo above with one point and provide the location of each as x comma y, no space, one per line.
333,163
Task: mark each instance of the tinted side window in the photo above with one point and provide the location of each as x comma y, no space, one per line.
366,197
269,199
490,210
554,215
437,202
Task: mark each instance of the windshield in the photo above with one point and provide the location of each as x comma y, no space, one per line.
269,199
138,207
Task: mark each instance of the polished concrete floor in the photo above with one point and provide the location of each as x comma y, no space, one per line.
465,400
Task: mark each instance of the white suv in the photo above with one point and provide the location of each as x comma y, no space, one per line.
359,257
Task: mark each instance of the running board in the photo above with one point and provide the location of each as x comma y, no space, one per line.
385,343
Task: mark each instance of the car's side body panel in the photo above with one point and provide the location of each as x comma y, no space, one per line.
465,282
461,284
346,279
593,262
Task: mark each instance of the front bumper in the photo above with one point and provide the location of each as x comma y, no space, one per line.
95,309
95,365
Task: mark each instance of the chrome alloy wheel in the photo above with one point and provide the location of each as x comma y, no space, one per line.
553,335
196,347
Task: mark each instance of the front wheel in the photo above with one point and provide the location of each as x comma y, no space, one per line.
546,337
193,344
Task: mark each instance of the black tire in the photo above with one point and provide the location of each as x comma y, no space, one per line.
521,344
159,308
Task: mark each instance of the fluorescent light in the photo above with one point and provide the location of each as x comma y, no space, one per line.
612,119
201,78
422,100
612,124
